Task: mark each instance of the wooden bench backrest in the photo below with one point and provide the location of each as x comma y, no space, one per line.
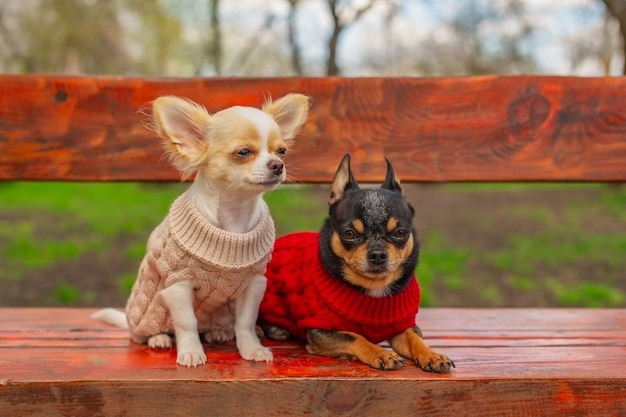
490,128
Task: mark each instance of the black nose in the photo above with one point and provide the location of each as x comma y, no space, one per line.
276,167
377,257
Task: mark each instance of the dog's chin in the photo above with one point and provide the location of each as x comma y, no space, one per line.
375,273
374,284
265,185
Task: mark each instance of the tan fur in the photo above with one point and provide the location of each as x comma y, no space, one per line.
408,344
353,346
338,185
358,226
182,125
411,345
355,271
236,155
290,112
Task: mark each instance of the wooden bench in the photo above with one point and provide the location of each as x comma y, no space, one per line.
510,362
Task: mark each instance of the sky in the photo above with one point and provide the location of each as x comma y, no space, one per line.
558,23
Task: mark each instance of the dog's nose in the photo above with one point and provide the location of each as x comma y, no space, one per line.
276,167
377,257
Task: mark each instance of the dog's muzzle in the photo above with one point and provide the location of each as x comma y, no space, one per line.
276,167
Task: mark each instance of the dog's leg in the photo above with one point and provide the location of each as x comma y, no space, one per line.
411,345
246,314
220,324
352,345
179,300
272,332
160,341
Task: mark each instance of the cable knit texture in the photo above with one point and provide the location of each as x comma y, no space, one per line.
219,263
301,294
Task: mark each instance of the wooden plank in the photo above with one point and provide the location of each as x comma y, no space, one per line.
510,362
490,128
318,397
136,362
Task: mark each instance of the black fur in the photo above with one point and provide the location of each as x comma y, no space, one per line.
374,207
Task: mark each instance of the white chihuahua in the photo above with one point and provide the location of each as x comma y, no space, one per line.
204,267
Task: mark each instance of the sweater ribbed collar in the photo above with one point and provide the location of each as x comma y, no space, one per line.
351,303
213,245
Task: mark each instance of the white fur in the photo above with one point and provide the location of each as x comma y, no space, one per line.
179,300
246,314
261,120
111,316
229,200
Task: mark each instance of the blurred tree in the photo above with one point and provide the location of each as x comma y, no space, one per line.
93,36
343,14
294,46
596,46
305,37
617,8
480,37
215,43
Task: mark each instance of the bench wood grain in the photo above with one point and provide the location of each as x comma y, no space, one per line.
510,362
490,128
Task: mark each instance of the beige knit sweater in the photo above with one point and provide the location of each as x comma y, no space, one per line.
220,264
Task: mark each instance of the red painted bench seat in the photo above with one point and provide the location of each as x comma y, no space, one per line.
510,362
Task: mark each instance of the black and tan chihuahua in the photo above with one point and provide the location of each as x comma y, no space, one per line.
352,285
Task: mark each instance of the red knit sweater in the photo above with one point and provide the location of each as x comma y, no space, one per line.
302,295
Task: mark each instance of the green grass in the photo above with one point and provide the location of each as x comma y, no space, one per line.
521,186
106,208
615,201
589,294
88,217
556,248
440,262
293,210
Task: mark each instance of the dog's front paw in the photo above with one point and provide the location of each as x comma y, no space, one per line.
435,362
219,335
190,359
256,353
190,350
384,359
160,341
277,333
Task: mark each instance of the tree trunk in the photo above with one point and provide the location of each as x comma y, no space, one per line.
215,44
296,55
617,8
331,67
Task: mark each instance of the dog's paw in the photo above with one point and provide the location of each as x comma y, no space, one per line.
160,341
277,333
219,335
256,353
384,359
191,358
435,362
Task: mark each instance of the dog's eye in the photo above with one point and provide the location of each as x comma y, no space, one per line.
244,153
282,151
348,234
401,233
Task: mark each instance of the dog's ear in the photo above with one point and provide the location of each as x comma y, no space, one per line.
343,181
289,112
392,182
183,126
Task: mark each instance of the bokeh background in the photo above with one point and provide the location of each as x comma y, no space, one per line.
483,245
